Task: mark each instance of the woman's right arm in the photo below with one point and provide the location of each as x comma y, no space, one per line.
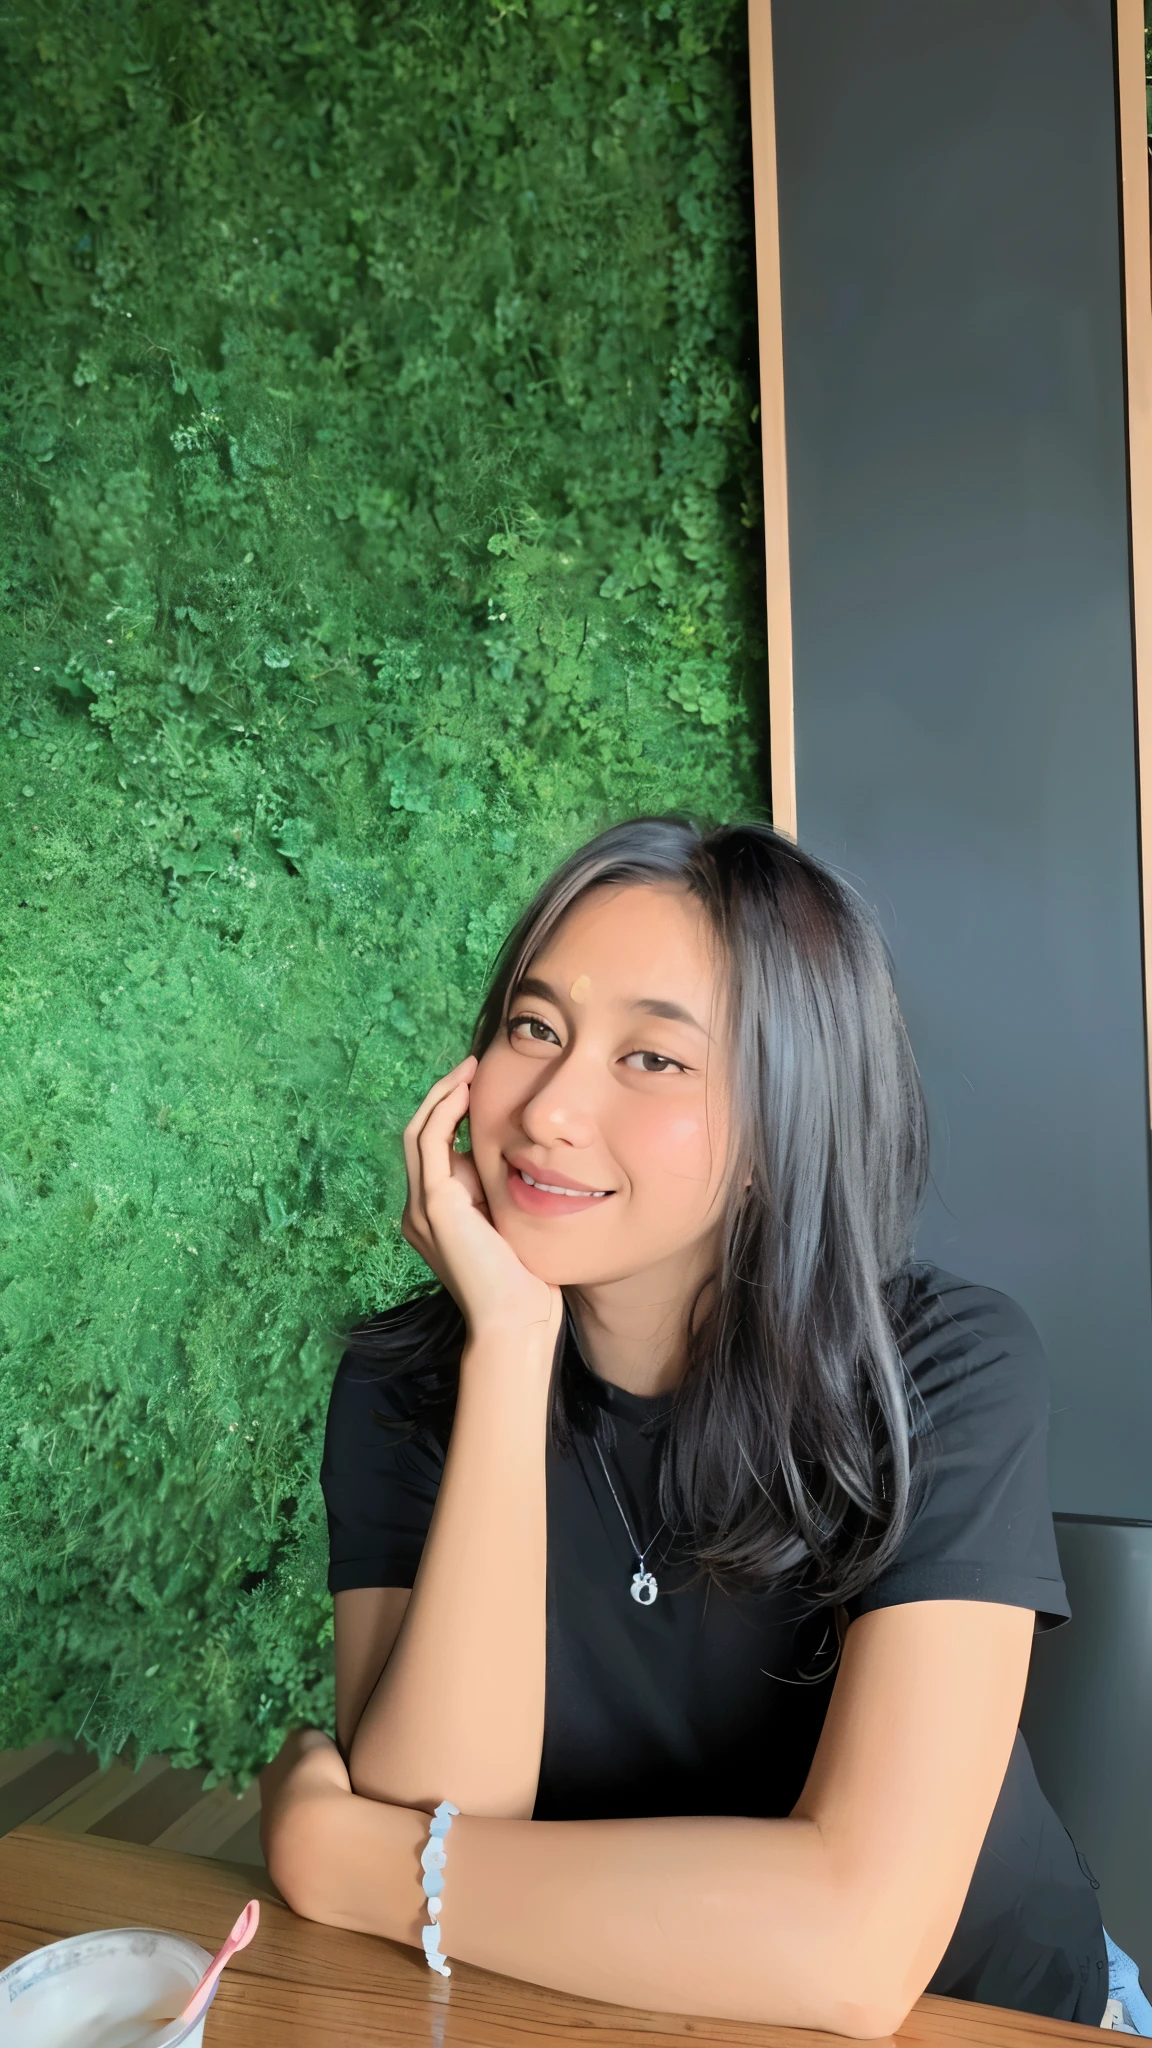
458,1710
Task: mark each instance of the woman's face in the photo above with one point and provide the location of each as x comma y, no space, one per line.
610,1079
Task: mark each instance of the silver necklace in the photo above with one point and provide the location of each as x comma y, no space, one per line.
643,1588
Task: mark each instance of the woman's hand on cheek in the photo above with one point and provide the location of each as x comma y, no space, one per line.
446,1220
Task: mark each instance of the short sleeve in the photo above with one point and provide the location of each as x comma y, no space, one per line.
380,1474
983,1529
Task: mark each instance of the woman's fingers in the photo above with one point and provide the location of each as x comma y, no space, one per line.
430,1166
434,1142
428,1153
463,1169
440,1092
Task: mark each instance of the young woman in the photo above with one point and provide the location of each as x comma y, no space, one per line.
690,1537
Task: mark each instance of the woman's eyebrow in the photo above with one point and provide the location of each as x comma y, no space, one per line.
652,1006
531,985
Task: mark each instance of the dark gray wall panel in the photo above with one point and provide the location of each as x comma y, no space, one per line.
963,669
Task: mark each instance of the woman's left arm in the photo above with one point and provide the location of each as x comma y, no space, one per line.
833,1918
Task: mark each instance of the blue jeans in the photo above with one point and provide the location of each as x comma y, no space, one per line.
1135,2014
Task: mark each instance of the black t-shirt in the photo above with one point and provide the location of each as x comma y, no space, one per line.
708,1701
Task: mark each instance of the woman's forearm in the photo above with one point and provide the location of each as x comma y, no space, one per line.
739,1919
744,1919
458,1712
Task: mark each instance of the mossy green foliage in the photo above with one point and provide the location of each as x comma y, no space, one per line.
380,519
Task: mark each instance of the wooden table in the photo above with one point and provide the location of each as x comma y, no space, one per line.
304,1986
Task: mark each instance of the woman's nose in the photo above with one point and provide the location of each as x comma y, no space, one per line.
563,1106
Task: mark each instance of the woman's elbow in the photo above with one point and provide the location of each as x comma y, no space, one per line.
864,2013
295,1859
869,1993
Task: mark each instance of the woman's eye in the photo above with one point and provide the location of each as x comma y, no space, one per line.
537,1032
532,1030
660,1063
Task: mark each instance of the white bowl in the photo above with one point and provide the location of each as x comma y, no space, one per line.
102,1990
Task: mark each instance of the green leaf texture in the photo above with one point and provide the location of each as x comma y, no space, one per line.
379,483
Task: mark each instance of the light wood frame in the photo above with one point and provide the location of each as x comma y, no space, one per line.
1137,245
771,327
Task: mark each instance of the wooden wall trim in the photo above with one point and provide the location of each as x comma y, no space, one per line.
1137,243
771,329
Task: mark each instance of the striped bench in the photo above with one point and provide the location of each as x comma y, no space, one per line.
56,1785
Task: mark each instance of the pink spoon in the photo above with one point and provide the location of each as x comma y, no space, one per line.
239,1938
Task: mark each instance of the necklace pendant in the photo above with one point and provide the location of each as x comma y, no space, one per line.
644,1588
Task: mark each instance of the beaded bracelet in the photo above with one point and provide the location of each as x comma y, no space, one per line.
432,1863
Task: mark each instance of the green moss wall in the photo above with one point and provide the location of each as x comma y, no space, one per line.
380,518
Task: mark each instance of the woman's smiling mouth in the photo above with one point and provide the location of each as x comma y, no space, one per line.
540,1197
596,1193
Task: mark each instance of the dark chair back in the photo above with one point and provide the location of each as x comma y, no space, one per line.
1087,1717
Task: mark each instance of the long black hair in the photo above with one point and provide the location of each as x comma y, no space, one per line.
793,1453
